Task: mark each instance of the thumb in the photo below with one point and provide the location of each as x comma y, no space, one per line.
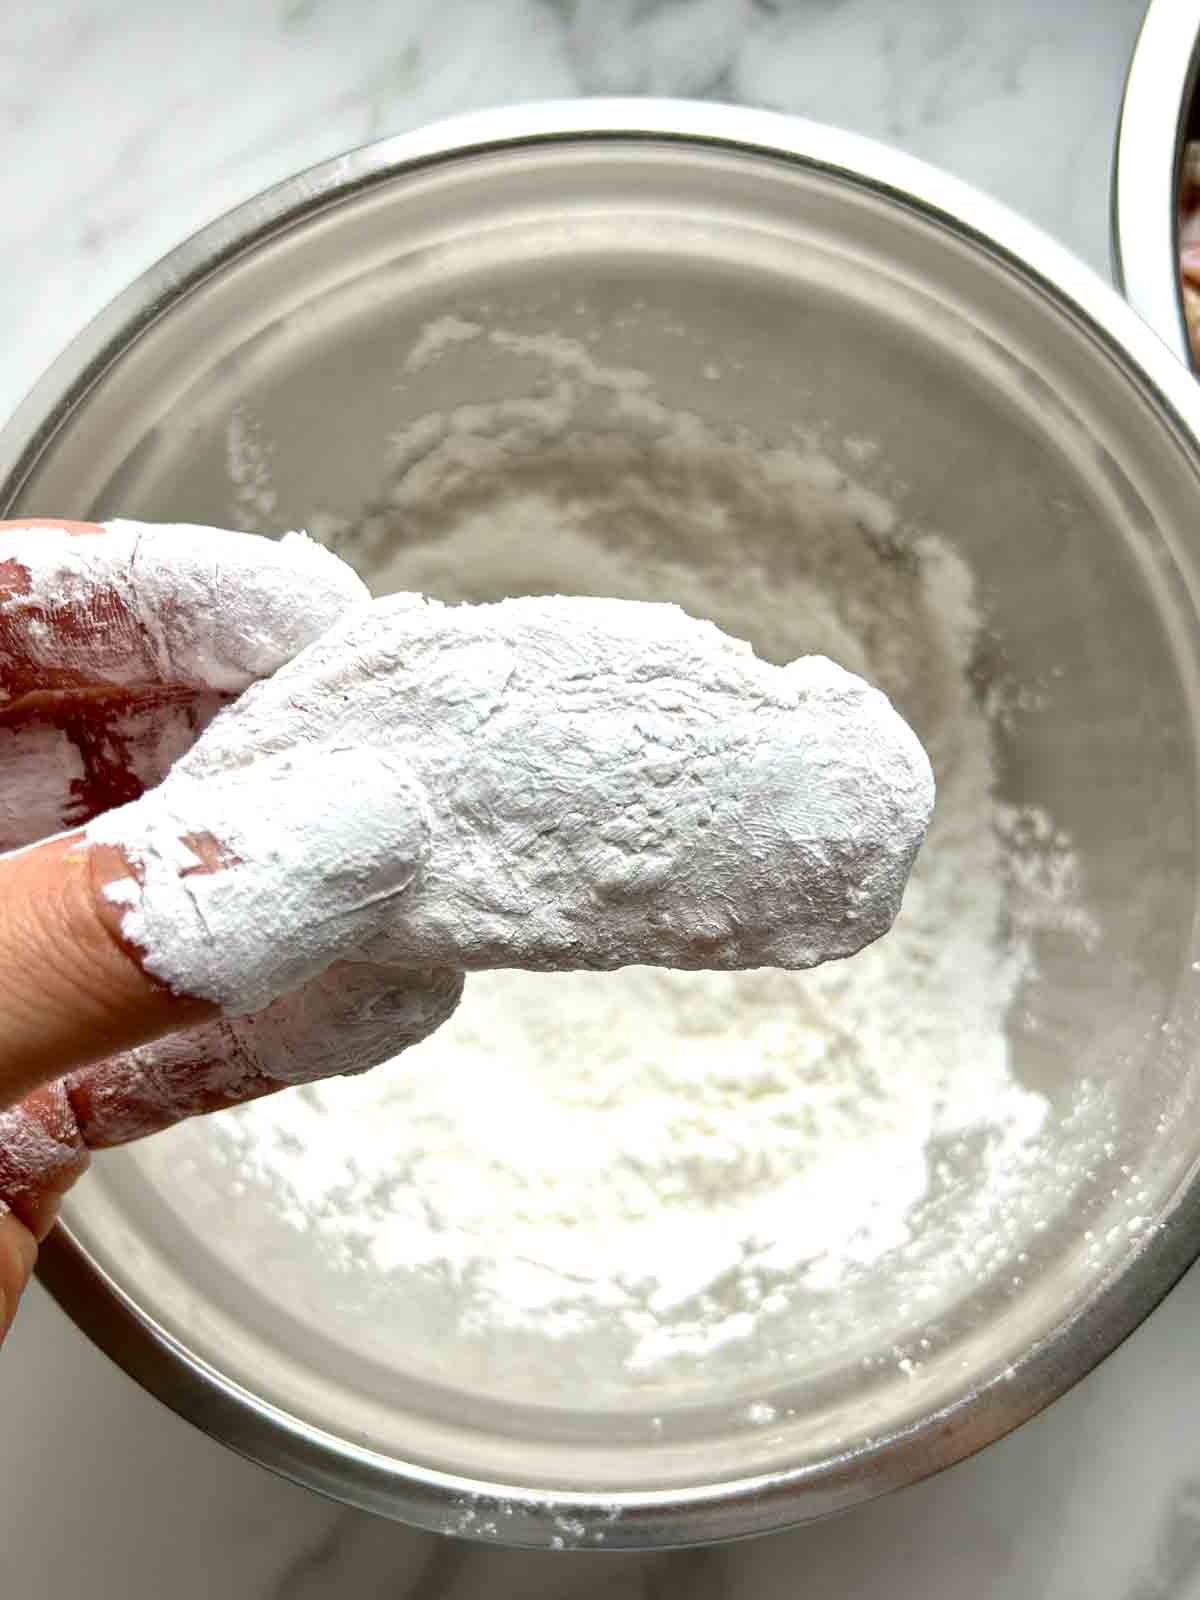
69,993
18,1253
71,990
84,1058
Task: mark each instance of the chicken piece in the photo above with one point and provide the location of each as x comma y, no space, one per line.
540,783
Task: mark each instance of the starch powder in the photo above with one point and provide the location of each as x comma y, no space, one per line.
685,1159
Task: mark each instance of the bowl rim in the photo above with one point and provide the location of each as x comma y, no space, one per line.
705,1513
1151,134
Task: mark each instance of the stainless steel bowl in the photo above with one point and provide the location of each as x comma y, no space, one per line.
1031,417
1157,119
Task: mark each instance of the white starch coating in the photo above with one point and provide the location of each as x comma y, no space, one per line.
653,1172
550,784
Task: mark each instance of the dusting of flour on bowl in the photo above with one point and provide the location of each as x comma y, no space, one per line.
679,1156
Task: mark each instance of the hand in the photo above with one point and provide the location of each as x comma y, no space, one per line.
117,647
409,791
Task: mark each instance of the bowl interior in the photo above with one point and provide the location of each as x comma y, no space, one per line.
601,305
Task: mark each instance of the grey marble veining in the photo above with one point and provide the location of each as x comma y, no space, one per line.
107,1494
128,126
124,127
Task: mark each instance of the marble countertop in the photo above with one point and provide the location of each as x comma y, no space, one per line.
126,125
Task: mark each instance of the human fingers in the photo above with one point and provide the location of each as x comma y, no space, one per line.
71,989
124,605
18,1254
351,1018
74,995
119,643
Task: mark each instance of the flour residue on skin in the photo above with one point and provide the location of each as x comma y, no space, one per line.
40,1146
671,1171
109,641
162,604
118,647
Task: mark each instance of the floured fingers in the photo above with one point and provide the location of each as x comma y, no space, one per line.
352,1017
119,642
42,1153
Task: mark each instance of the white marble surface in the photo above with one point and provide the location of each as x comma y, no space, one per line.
125,124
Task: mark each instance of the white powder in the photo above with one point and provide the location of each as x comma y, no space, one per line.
693,1163
248,464
543,783
163,604
435,337
151,626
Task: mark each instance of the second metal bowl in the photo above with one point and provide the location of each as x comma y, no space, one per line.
1158,117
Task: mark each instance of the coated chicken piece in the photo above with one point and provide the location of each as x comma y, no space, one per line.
539,783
